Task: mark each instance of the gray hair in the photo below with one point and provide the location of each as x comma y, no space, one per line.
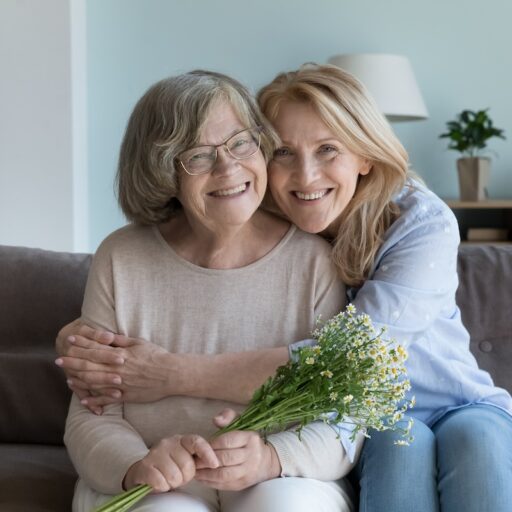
166,121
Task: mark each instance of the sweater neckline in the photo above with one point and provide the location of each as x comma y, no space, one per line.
215,271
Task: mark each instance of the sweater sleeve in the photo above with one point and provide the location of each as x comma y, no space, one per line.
102,448
317,454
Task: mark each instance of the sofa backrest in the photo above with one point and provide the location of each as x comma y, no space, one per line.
485,299
40,291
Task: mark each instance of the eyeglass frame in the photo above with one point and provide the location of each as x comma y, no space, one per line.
257,129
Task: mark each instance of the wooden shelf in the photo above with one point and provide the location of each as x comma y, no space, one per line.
486,242
488,204
492,213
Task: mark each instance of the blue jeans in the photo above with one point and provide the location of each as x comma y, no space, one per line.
463,463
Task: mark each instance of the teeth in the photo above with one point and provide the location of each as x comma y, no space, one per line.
310,197
230,191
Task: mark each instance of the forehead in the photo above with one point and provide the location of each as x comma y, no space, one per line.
300,121
222,121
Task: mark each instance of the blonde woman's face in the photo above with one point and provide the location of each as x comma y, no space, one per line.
231,193
312,176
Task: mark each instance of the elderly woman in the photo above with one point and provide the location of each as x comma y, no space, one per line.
341,172
192,273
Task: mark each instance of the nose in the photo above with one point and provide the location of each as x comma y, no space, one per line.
225,163
307,170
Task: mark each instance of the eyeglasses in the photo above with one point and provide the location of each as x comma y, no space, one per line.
201,159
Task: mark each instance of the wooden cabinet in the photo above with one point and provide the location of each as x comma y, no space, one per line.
484,221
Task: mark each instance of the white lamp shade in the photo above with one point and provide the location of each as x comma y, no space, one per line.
390,80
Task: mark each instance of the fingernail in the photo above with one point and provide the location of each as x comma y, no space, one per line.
120,360
69,382
117,380
84,401
71,339
115,394
59,362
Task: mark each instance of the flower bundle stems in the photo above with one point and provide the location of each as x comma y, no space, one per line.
350,374
123,502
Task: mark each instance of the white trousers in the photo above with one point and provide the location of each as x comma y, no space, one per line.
277,495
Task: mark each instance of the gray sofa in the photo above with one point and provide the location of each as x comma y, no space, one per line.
40,291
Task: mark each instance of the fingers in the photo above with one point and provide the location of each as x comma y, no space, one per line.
108,338
85,396
196,445
232,457
93,380
229,478
235,439
144,472
224,418
175,475
99,401
124,341
84,348
98,335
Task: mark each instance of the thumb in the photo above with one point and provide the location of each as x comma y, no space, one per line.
224,418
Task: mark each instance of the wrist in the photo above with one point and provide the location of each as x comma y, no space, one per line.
274,464
186,375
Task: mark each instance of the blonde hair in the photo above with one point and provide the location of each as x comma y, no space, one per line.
346,107
166,121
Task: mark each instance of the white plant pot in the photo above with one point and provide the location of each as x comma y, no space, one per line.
474,175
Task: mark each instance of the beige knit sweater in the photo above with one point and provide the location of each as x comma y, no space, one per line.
140,287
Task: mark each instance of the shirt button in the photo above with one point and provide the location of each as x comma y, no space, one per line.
485,346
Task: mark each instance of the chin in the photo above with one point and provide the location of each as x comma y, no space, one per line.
310,226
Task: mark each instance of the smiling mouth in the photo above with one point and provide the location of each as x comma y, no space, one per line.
230,192
311,196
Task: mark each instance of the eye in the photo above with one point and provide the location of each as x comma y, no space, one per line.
282,153
328,148
198,157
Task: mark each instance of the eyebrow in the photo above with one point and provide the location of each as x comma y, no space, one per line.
319,141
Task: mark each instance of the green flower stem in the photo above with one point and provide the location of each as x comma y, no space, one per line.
125,500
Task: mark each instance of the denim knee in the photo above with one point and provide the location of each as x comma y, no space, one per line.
476,435
474,456
398,478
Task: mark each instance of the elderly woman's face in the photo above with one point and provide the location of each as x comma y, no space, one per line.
233,190
312,176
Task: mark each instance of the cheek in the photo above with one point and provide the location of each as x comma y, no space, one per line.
276,180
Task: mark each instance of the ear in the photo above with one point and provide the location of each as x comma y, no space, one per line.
366,167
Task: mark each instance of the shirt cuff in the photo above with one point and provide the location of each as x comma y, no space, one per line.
299,344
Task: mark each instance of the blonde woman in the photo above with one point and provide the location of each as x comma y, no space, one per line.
341,172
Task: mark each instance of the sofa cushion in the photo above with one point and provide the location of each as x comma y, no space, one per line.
485,299
42,482
40,292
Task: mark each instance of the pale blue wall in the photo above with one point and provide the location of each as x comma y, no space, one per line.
460,51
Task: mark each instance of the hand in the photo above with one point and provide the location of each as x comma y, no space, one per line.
170,463
118,368
244,457
89,360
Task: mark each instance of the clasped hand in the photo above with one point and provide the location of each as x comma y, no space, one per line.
232,461
103,368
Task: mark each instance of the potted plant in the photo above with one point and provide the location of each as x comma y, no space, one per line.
469,134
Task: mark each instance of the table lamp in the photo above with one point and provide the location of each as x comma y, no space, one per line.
390,80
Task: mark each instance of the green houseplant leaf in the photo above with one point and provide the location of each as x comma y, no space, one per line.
469,132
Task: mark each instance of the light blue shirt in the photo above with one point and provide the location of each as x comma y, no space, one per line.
411,290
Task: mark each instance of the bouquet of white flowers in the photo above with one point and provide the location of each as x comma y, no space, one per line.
352,374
